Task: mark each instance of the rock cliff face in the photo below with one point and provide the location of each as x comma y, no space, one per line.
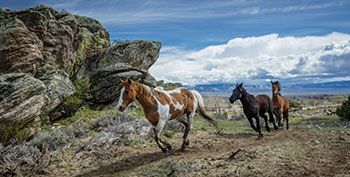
43,53
41,39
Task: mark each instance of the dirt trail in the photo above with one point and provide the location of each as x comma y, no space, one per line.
314,155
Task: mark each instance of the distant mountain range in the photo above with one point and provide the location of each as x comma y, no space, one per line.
339,87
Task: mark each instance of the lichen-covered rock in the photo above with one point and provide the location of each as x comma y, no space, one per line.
58,88
40,39
138,54
20,49
21,98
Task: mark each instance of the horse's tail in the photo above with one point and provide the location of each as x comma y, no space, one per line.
201,109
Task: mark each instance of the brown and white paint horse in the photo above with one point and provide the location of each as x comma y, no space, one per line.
160,106
280,104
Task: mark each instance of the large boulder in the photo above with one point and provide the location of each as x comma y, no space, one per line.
106,85
22,98
59,87
40,39
138,54
129,59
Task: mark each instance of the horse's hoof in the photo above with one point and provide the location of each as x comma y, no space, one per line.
168,147
186,142
183,147
268,130
276,128
164,150
260,136
220,132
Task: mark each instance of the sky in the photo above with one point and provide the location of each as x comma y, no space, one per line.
207,41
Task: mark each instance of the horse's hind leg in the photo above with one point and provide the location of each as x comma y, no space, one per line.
286,117
188,126
187,130
258,127
266,122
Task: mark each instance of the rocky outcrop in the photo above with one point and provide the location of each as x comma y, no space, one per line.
45,53
168,85
22,98
123,60
41,39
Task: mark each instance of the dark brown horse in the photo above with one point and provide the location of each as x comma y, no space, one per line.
280,104
254,107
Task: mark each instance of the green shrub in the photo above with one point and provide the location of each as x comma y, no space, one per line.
294,103
10,130
72,103
344,110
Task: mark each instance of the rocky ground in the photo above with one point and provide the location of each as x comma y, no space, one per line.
108,143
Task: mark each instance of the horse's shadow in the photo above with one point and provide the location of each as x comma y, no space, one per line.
130,163
242,135
147,158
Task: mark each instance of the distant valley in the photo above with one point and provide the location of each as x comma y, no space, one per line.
331,88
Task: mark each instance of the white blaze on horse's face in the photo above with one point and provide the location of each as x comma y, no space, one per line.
120,101
127,95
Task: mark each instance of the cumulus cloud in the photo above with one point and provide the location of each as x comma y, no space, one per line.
257,59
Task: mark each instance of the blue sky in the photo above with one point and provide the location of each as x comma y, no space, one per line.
203,38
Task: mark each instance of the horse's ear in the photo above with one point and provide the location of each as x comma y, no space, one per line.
129,81
122,81
241,84
271,82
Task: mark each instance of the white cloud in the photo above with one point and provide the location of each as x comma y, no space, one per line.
255,59
287,9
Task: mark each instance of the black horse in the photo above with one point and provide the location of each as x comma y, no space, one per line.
254,107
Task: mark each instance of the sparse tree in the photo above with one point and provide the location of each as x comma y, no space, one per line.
344,110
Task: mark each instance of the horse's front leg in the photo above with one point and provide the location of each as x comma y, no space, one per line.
157,136
278,117
250,119
286,117
266,122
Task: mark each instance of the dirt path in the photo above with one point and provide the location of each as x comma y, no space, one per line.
296,152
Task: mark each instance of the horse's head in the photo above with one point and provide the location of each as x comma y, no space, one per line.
236,93
127,94
276,87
